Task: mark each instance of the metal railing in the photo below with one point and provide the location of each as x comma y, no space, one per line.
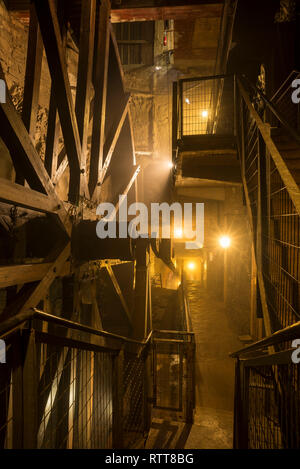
273,199
267,394
205,106
67,385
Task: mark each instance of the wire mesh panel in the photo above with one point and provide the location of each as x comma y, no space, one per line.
274,407
207,106
75,398
273,210
282,252
133,399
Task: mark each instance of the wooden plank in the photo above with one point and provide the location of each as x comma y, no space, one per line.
100,85
49,25
84,81
118,291
26,273
25,197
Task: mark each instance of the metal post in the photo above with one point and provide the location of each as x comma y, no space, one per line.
117,427
30,397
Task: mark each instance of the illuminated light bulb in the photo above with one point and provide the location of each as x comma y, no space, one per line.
204,114
178,233
224,242
170,164
191,265
158,67
187,101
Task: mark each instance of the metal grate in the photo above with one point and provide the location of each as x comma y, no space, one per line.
75,398
273,407
133,398
281,255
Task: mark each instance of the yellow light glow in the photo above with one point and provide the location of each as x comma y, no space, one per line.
224,242
170,164
191,265
204,114
178,233
187,101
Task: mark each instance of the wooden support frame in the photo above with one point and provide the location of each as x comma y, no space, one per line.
84,81
49,24
100,85
113,137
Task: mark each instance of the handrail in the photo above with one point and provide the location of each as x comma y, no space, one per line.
11,324
289,333
280,164
277,114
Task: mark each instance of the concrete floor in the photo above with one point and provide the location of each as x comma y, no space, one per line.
213,424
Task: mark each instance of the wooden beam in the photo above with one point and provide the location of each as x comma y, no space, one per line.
53,130
84,81
100,85
118,291
136,171
26,273
25,157
31,296
51,156
21,196
113,137
50,29
33,74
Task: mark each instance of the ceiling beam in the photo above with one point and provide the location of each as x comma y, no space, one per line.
154,13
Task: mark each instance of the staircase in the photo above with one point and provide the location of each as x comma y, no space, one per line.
267,145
